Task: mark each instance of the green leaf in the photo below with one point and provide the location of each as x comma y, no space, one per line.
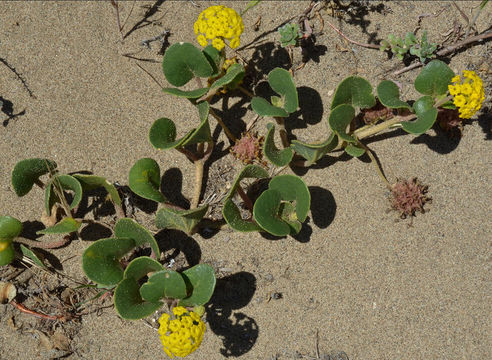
31,255
434,79
426,116
230,211
354,150
28,171
266,213
140,267
145,179
288,214
128,228
100,261
293,188
214,58
66,225
340,118
314,152
164,284
182,62
264,108
184,220
128,302
162,134
200,279
355,91
232,216
234,75
10,228
90,182
272,153
187,94
389,95
7,255
282,83
62,182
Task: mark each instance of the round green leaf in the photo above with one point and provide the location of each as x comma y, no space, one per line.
272,153
389,95
235,73
162,135
355,91
129,304
426,116
264,108
128,228
166,284
145,179
340,118
66,225
63,182
354,150
190,94
232,216
183,61
266,213
184,220
140,267
26,172
293,188
90,182
200,281
282,83
7,255
434,79
10,228
314,152
214,58
100,261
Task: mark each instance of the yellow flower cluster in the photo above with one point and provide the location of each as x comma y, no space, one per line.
217,23
468,94
181,335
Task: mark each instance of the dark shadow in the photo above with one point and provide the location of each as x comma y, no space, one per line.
357,11
93,232
310,110
240,332
440,142
323,206
179,242
29,229
305,234
485,122
7,107
147,206
265,58
172,186
152,10
100,205
324,162
311,51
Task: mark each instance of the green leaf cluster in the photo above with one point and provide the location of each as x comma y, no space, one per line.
410,44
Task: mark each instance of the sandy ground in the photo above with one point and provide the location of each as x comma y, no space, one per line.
370,286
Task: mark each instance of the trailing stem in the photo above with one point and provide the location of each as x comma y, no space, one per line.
198,177
229,134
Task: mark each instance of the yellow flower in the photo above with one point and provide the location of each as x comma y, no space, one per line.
468,94
183,334
218,43
218,23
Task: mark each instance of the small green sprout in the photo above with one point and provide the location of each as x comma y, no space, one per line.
400,47
289,34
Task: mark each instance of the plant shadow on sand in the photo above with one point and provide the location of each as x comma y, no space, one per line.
238,334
